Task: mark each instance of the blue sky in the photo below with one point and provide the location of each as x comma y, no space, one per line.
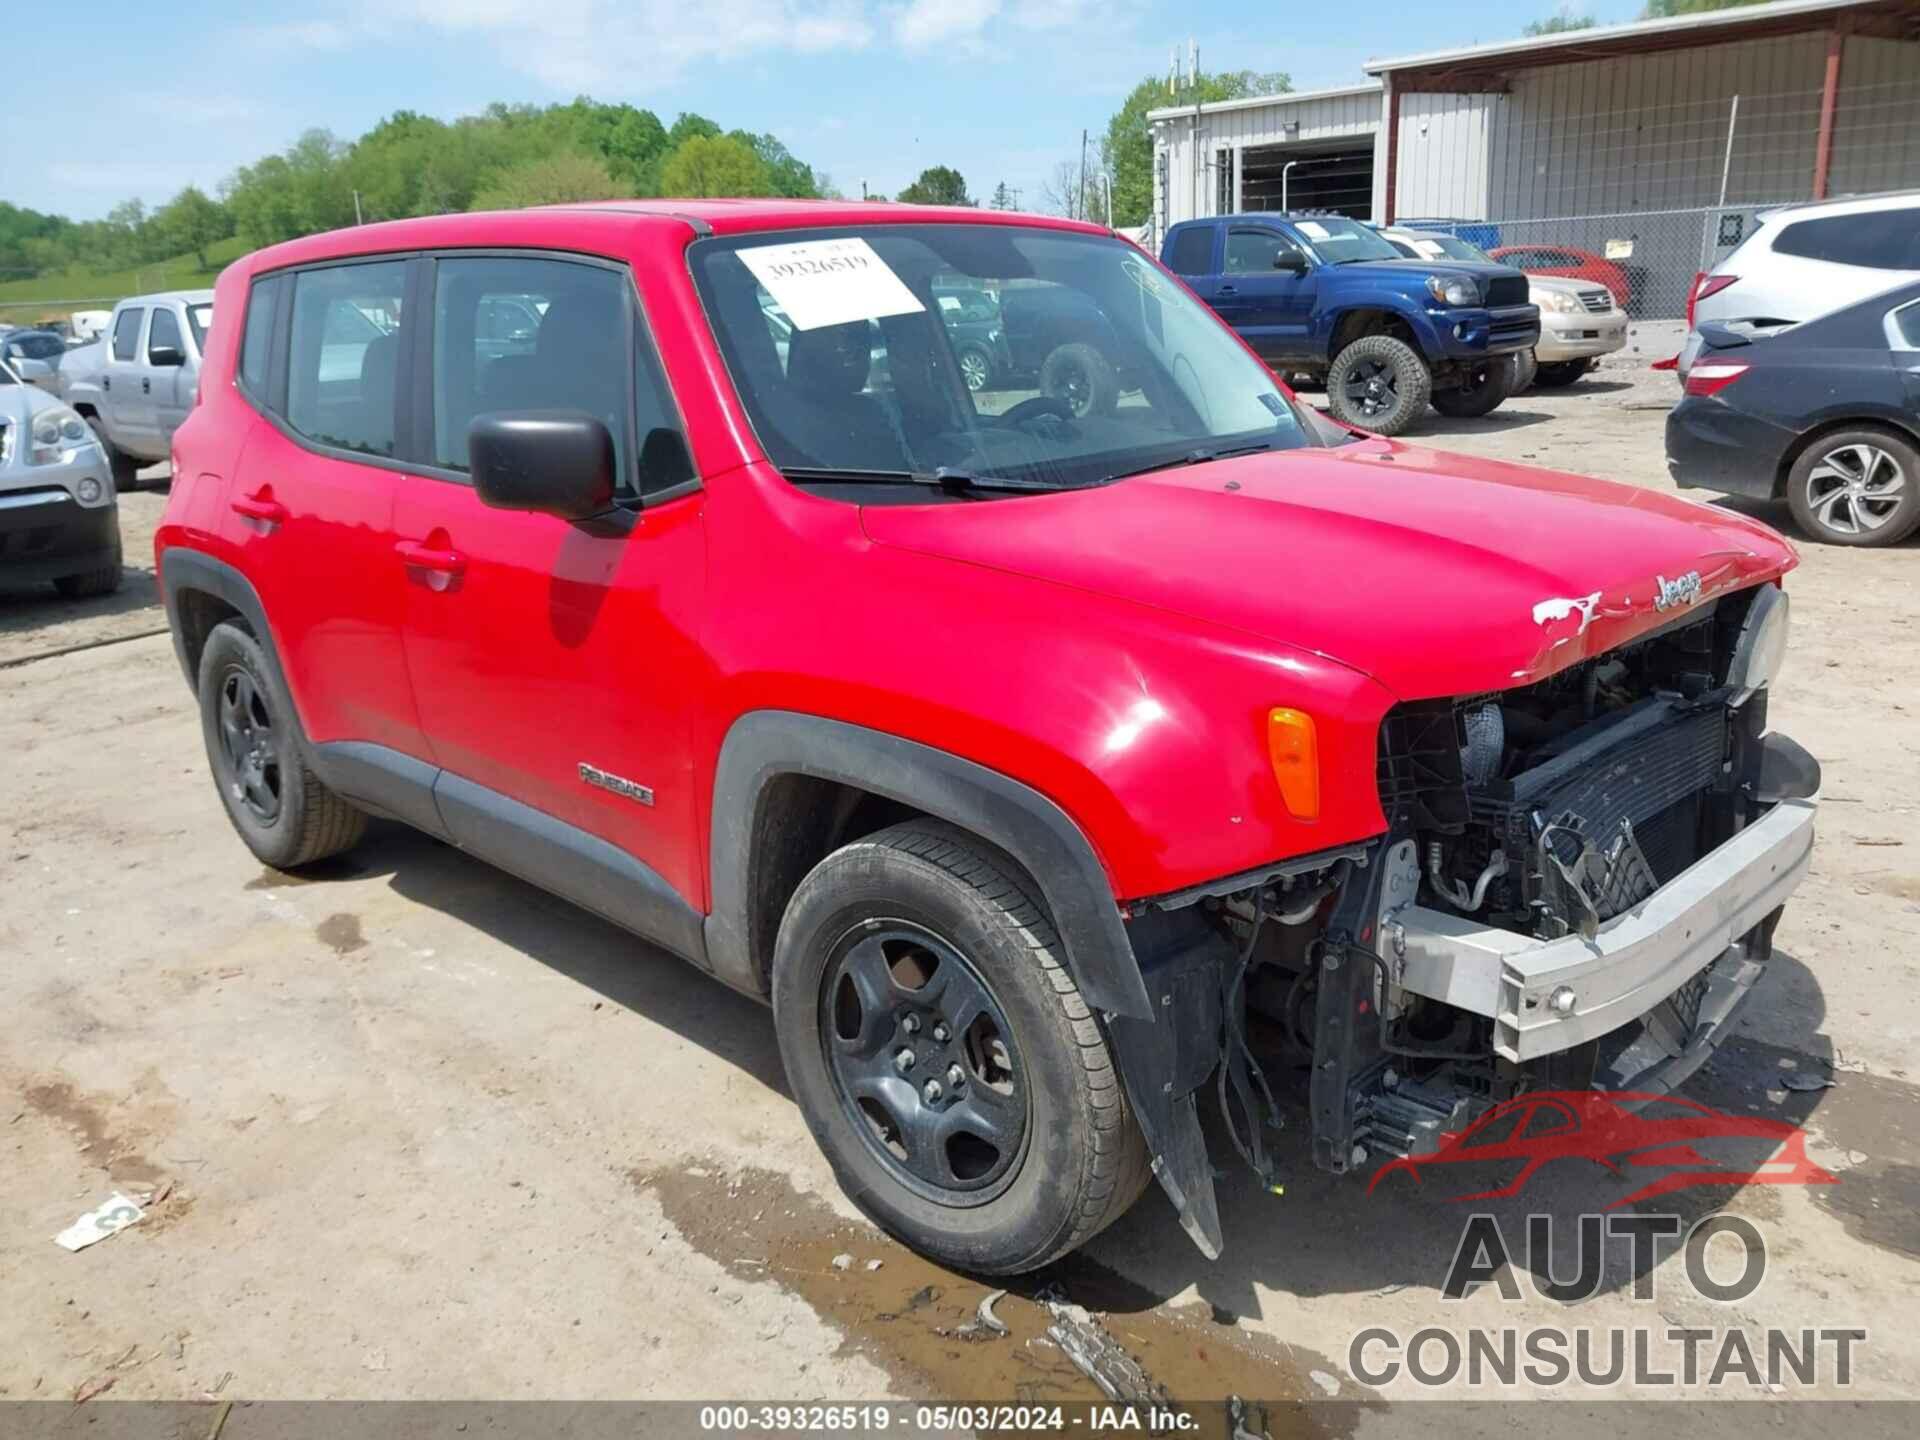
155,97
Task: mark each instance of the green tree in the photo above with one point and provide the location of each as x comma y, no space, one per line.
937,185
549,180
1558,23
709,165
192,221
1662,9
1002,197
1126,150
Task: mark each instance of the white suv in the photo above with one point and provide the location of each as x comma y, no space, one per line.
1804,261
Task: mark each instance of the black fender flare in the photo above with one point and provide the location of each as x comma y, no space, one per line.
182,569
763,745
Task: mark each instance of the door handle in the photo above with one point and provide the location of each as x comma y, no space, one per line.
106,382
421,557
267,512
1227,290
146,384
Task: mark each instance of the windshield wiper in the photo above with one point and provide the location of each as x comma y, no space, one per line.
944,477
1195,457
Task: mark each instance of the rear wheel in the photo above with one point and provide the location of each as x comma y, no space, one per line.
944,1058
1378,383
284,814
1857,487
1081,376
1485,386
125,468
1562,373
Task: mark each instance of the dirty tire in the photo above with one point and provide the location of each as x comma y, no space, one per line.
1488,384
1859,486
124,467
1404,376
1560,373
310,822
89,583
1081,1162
1081,376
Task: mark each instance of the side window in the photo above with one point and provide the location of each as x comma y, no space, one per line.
1905,323
1193,251
256,341
126,334
343,357
527,333
164,333
1881,240
1254,251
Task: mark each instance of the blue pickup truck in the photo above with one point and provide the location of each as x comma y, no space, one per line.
1328,297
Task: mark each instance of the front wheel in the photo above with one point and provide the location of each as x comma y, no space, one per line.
1526,369
1857,487
1484,386
1378,383
976,367
1561,373
1080,375
944,1058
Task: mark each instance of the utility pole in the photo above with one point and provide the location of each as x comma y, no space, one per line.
1081,213
356,209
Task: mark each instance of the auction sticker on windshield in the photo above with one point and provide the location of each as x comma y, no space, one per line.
829,282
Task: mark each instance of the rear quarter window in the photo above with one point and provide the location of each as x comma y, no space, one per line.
1879,240
256,341
1193,251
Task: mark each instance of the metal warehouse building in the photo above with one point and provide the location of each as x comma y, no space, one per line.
1648,144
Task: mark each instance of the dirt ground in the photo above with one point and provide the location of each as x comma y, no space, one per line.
420,1131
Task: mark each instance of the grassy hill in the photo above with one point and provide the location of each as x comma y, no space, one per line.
23,301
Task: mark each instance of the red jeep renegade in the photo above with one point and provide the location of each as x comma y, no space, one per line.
937,624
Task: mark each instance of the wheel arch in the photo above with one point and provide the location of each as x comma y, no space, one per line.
200,592
1853,421
1351,324
789,788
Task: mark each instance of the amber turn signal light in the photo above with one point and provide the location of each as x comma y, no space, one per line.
1296,761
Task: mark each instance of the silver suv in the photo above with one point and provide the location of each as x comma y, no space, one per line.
58,518
1805,261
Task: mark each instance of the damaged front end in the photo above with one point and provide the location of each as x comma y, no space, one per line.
1577,888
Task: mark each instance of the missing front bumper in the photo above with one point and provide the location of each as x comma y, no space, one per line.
1546,996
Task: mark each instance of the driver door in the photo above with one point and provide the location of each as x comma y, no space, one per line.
1269,305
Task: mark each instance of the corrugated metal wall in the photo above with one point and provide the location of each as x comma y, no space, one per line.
1187,195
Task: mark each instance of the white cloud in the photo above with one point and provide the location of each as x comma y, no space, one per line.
926,23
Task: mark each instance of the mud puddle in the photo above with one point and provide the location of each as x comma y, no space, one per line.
921,1323
85,1118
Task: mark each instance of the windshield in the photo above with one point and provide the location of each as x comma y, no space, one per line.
1428,246
1340,241
200,317
35,345
999,352
7,377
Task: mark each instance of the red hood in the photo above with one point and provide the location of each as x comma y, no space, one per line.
1435,574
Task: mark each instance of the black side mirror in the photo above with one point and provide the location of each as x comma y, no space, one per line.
558,462
1290,260
165,355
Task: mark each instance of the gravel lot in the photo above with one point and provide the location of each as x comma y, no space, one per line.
424,1132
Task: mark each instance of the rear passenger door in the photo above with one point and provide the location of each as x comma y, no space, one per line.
130,412
313,499
545,652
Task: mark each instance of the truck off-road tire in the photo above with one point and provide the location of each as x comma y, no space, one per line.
1380,384
1081,376
943,1057
1486,385
124,467
1560,373
1858,486
259,761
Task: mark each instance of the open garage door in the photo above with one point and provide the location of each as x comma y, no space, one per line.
1324,177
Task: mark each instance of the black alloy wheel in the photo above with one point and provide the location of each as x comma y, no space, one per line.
250,746
924,1059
